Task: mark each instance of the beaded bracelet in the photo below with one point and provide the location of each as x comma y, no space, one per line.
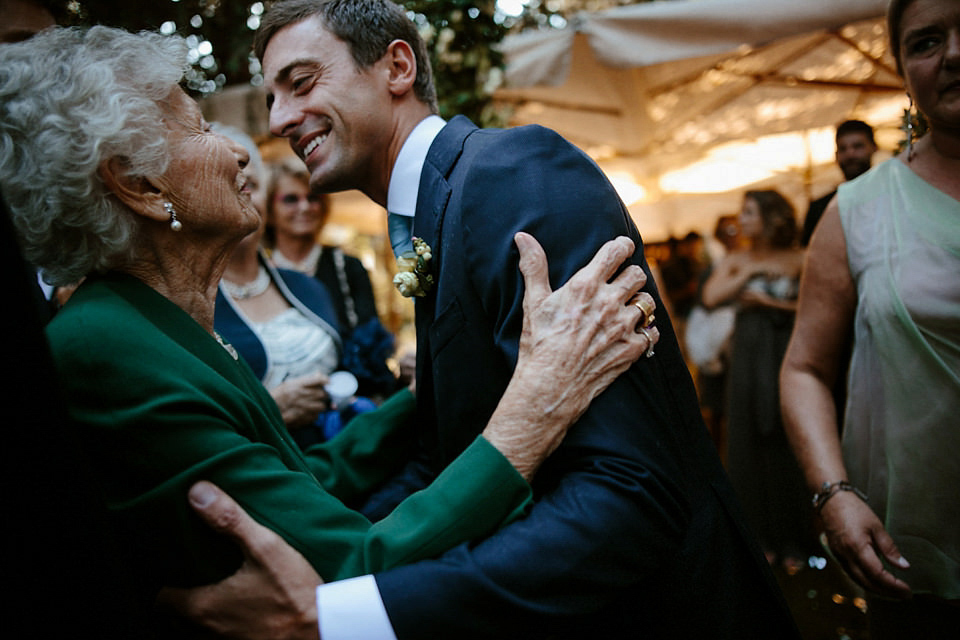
830,489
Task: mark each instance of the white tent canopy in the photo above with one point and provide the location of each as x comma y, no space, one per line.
690,101
645,34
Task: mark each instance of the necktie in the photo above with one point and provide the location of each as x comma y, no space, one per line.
401,233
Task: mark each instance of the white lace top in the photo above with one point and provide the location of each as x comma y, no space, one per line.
295,347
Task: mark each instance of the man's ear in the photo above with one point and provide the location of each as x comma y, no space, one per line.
137,192
402,67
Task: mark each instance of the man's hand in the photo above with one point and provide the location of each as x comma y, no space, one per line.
271,596
858,540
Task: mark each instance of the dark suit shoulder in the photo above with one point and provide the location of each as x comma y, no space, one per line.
814,213
532,143
554,191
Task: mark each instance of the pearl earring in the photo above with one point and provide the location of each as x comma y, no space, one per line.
174,223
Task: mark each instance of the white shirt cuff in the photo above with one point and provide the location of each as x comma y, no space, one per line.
352,610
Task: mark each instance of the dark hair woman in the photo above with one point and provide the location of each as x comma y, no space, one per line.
762,281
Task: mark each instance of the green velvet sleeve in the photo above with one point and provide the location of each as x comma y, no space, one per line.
161,409
373,447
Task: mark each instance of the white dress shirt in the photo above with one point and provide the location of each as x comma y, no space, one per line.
352,609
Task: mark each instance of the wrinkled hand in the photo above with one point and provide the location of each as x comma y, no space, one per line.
858,540
272,595
575,342
585,332
301,399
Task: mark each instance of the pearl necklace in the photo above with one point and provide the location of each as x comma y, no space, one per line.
249,290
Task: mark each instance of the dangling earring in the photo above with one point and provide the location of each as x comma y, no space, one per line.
909,129
174,223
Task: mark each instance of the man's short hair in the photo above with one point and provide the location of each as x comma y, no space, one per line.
855,126
367,26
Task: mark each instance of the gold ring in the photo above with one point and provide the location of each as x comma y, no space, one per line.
646,311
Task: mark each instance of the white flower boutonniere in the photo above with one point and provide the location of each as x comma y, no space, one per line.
414,277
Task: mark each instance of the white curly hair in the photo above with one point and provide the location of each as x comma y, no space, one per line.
70,99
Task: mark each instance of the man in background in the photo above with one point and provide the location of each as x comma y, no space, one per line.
855,149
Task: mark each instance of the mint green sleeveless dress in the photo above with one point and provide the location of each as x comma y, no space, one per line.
901,439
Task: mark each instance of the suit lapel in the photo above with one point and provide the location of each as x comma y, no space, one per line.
434,191
432,198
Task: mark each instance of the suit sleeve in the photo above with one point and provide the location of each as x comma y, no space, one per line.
611,506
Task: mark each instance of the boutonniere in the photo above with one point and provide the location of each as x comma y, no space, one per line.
413,277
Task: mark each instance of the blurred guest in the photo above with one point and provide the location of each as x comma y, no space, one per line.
149,205
295,218
762,282
725,239
855,149
885,263
283,324
681,272
707,335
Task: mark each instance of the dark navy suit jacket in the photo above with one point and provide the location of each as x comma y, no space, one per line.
635,532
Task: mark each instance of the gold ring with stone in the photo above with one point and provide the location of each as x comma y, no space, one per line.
646,334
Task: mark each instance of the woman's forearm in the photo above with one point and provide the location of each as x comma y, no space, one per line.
825,312
810,420
526,427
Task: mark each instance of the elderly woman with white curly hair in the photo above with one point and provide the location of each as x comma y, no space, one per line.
112,174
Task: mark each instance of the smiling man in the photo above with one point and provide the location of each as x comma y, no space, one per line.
635,522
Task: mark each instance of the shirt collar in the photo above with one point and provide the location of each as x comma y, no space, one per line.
405,179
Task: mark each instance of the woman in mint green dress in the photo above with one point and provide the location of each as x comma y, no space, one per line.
884,264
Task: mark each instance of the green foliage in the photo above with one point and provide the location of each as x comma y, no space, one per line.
467,68
222,24
460,34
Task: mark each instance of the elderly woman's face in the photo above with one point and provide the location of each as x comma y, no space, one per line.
296,212
930,53
204,181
